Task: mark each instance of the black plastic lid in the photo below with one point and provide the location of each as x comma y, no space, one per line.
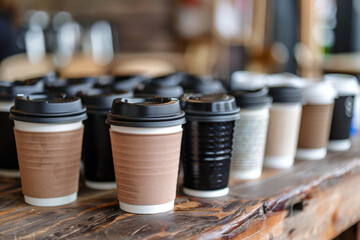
101,99
70,86
146,112
205,85
168,92
169,80
48,108
9,90
47,78
258,98
121,82
285,94
210,107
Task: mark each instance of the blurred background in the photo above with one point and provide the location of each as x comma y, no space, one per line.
203,37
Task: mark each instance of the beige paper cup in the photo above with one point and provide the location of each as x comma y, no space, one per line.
49,158
146,162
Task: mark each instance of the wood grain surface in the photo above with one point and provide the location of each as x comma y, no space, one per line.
313,200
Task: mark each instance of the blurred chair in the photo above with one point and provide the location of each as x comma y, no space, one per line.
18,67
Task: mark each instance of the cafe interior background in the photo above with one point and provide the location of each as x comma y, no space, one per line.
202,37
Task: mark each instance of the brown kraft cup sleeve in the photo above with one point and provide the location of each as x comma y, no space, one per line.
315,126
49,162
146,167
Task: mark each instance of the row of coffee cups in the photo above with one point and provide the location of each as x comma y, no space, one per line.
172,85
146,139
305,120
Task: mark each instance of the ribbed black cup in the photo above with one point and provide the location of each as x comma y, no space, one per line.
97,153
207,140
206,154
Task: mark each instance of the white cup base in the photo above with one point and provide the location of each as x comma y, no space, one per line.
100,185
147,209
51,202
279,162
339,145
10,173
246,174
311,153
206,193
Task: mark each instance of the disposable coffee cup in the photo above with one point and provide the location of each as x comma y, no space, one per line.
146,140
347,88
250,133
207,143
97,155
48,133
283,130
315,121
204,85
9,166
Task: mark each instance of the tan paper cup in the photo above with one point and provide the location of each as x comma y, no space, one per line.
146,138
48,134
316,121
49,158
146,162
282,135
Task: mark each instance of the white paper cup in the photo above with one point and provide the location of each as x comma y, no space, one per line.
282,135
249,143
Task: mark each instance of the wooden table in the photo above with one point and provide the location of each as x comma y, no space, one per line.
313,200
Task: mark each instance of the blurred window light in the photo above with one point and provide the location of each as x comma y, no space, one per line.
102,42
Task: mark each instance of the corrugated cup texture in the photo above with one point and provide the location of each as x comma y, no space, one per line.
146,167
49,162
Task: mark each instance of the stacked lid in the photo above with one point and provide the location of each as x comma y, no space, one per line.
48,108
9,90
205,85
258,98
285,94
146,112
164,86
101,99
210,107
122,82
70,86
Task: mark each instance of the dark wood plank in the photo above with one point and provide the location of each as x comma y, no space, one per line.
280,204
